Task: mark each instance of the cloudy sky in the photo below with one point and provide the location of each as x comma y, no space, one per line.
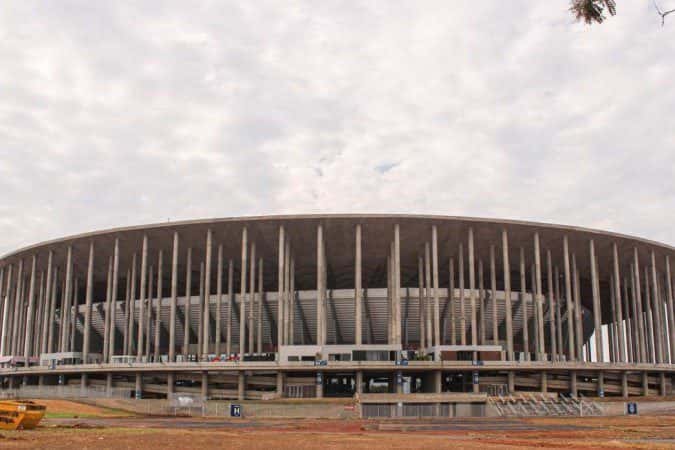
123,113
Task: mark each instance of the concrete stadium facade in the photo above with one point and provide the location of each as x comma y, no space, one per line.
322,305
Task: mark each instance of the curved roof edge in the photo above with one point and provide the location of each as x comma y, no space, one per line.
279,217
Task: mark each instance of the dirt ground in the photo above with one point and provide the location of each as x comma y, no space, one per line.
100,428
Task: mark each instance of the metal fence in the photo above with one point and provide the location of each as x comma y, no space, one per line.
65,391
422,410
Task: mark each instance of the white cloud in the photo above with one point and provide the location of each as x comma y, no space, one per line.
117,114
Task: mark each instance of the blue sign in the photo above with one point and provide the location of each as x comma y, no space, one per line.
319,378
475,378
601,393
139,394
631,409
399,378
235,410
402,362
321,362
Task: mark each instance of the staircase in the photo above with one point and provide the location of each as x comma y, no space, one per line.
539,405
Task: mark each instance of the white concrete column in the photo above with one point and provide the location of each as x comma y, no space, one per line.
251,300
538,298
48,295
219,299
141,301
434,261
87,306
671,310
617,296
451,299
657,308
242,293
148,315
570,304
113,299
551,306
259,315
29,312
230,305
280,290
188,301
427,295
108,303
158,307
579,338
65,300
131,310
597,314
287,295
422,306
319,286
174,299
52,312
507,296
493,296
472,289
358,292
6,316
206,320
638,302
481,302
291,307
523,302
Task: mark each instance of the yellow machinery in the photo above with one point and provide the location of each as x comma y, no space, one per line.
20,414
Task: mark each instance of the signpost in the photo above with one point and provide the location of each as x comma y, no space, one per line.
631,409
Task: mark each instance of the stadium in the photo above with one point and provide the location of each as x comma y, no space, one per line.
392,308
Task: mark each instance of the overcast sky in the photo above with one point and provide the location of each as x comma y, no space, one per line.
117,114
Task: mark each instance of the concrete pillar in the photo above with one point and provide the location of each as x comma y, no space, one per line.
437,380
281,383
52,312
511,381
538,298
398,380
113,300
451,302
219,300
108,384
624,384
280,290
129,311
657,308
200,312
397,286
645,384
242,293
47,300
428,327
481,303
358,293
671,310
174,298
206,320
139,386
619,311
601,384
535,311
571,353
434,261
358,381
170,383
628,325
65,302
611,334
472,289
29,313
141,303
74,310
286,298
523,301
649,328
573,384
188,301
638,301
6,315
205,386
507,297
320,287
543,382
84,382
259,338
148,315
493,296
87,307
551,307
251,300
158,307
422,306
579,337
108,303
662,385
230,303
